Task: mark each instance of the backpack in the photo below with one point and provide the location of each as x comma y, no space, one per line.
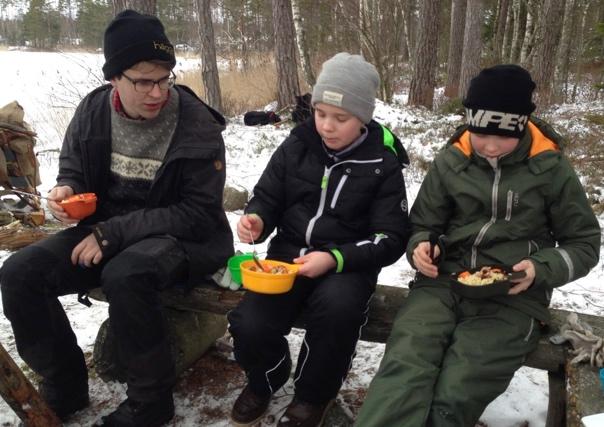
19,168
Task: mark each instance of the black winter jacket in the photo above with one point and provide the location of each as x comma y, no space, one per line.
355,208
185,198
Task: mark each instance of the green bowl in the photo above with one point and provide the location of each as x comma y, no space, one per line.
234,265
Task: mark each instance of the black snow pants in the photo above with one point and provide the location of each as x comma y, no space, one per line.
333,308
33,278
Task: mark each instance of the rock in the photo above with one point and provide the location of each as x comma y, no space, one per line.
234,199
191,334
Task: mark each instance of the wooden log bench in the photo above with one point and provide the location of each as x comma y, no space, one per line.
574,390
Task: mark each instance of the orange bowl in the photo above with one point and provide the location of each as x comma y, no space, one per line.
266,282
79,206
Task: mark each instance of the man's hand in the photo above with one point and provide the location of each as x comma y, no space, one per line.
249,227
422,260
521,285
54,197
87,252
315,264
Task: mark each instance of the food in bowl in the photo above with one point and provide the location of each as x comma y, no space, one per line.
276,269
485,276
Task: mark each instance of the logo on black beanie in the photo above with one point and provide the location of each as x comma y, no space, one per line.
499,101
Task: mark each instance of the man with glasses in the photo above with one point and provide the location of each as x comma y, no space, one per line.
154,155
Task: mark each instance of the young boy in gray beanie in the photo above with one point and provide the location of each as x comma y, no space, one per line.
500,193
334,192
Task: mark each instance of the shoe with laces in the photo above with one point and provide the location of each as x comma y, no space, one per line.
249,408
303,414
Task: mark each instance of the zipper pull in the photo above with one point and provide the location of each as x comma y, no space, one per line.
324,182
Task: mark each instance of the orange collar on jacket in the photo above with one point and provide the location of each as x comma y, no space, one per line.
539,144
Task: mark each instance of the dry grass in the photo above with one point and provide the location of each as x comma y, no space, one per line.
241,91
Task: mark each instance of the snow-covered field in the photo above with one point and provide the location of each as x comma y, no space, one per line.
48,86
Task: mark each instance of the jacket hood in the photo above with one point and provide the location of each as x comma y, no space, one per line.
382,136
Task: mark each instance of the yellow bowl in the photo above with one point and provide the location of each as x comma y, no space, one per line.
268,283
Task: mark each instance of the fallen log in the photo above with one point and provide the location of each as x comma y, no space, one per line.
22,397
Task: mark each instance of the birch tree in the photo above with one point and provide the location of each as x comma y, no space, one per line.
309,76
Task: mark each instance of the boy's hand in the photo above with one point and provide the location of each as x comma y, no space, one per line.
249,224
87,252
521,285
422,260
54,197
315,264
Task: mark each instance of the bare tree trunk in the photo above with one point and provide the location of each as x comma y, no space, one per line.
580,48
209,69
564,50
519,10
148,7
506,44
421,91
500,27
458,23
285,53
545,50
472,45
529,34
302,46
352,11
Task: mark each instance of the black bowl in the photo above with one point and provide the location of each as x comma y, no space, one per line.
497,288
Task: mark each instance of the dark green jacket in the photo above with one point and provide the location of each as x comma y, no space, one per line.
531,205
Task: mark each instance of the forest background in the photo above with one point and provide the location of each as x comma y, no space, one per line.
274,48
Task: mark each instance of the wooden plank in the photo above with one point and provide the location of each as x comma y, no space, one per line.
22,397
382,311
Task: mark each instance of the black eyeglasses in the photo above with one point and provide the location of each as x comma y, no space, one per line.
146,85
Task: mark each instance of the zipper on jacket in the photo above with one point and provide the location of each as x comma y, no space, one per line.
508,207
324,185
484,229
334,199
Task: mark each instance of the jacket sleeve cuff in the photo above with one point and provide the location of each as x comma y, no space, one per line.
107,247
339,259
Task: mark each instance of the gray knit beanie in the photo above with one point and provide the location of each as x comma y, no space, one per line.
349,82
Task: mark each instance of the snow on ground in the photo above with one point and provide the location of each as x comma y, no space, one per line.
48,86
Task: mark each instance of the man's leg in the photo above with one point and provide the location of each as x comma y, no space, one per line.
489,344
31,280
402,390
131,281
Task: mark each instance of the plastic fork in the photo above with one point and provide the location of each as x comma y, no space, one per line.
255,255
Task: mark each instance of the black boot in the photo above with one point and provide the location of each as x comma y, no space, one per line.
67,399
132,413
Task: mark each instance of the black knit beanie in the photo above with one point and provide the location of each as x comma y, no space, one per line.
132,38
499,102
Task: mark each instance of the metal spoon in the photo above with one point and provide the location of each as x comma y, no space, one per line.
255,254
25,193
